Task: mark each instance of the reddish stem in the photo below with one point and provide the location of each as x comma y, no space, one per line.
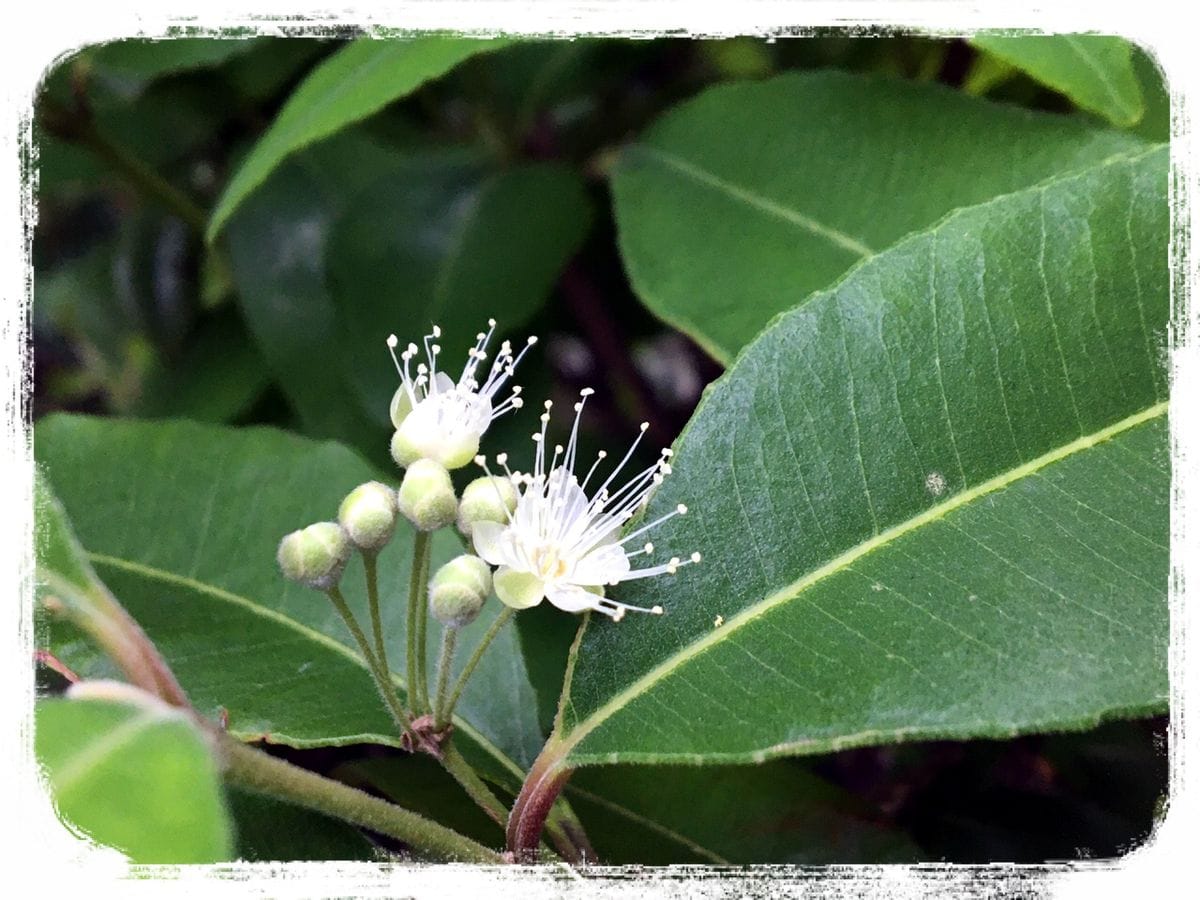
545,782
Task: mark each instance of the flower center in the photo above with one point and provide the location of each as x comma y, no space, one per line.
547,564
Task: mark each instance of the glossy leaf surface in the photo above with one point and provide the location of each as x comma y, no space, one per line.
740,203
932,502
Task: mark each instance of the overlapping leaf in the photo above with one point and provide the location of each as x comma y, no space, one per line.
1094,70
137,778
182,520
742,202
932,501
355,82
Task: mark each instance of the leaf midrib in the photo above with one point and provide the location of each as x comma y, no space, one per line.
839,563
758,202
99,751
325,640
1129,112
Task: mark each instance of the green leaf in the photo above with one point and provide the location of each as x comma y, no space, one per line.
355,82
140,779
723,815
277,255
216,377
182,522
932,502
742,202
130,65
1095,71
425,245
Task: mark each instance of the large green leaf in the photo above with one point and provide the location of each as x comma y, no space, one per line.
182,521
355,82
741,202
351,241
437,244
1094,70
136,777
277,254
932,501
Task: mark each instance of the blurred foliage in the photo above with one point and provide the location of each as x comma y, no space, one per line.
358,201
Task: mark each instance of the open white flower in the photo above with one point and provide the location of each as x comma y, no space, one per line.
561,546
440,419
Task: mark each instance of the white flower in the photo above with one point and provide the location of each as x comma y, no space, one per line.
562,546
440,419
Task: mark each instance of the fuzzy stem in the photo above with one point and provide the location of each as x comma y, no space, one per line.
382,684
370,558
418,587
454,763
79,127
418,599
445,658
254,770
499,622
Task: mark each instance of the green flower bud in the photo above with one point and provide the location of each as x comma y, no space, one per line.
315,555
368,515
458,591
418,438
487,499
426,495
404,451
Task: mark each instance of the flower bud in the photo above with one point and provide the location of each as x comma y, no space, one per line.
426,495
368,515
315,555
487,499
404,451
418,438
458,591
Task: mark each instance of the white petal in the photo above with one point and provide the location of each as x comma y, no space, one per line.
520,590
489,542
442,382
604,565
572,598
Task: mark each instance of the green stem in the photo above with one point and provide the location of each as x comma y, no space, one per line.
499,622
256,771
454,763
80,128
449,637
418,590
381,684
370,558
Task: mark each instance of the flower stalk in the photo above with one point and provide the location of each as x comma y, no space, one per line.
418,585
447,710
382,682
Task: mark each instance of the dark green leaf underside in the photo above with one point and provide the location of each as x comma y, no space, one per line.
932,501
742,202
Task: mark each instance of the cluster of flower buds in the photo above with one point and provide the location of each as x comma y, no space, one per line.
317,555
548,536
